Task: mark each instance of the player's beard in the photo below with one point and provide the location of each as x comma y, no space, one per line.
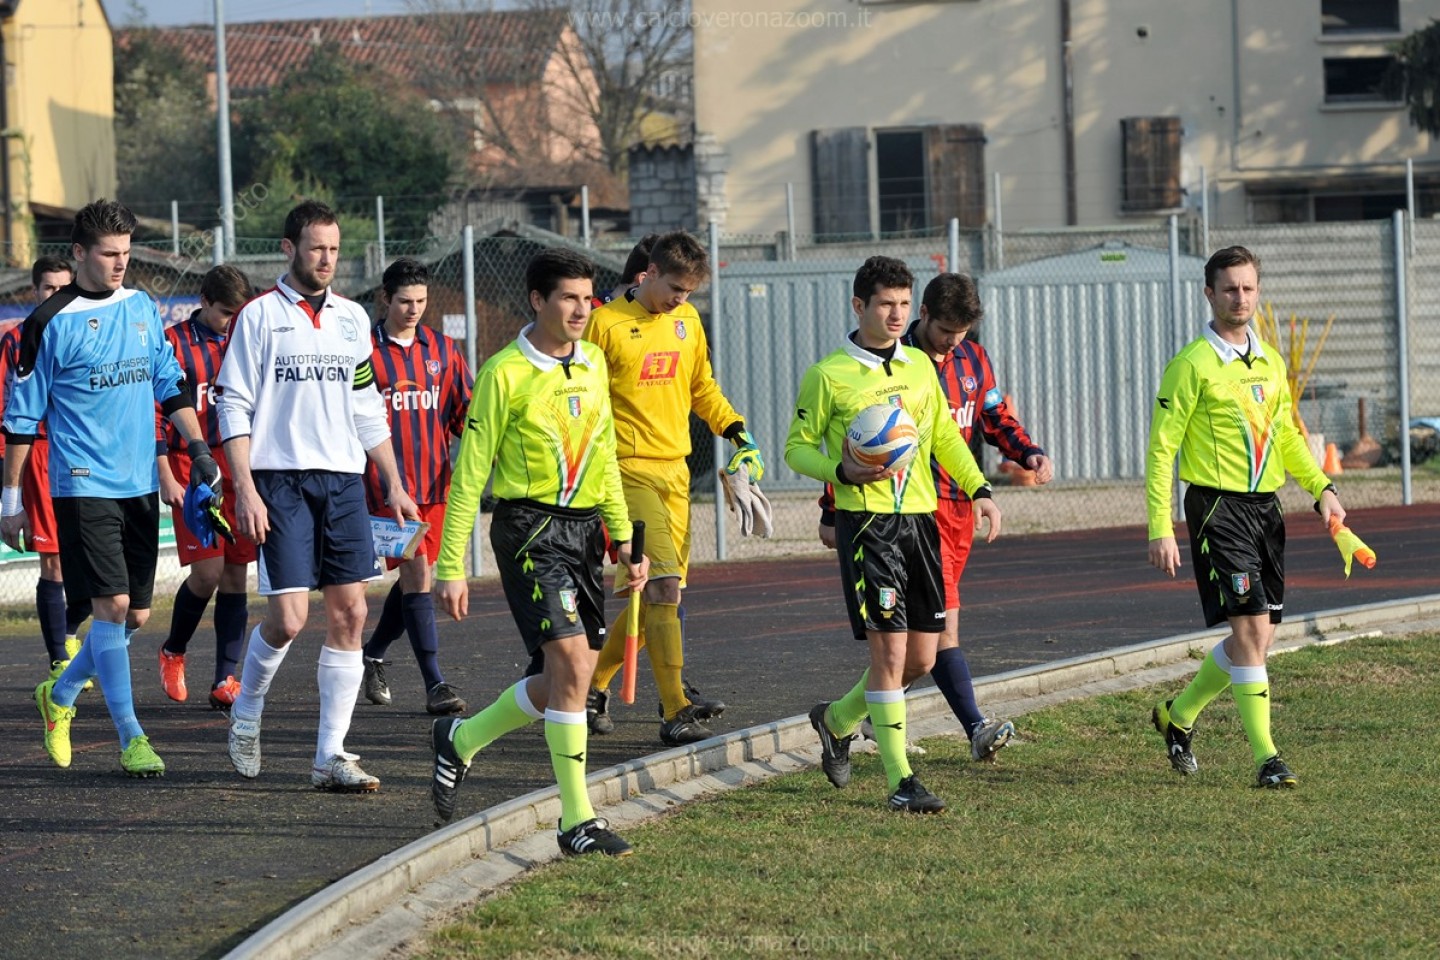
307,277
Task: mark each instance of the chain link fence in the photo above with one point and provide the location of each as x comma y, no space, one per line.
1079,324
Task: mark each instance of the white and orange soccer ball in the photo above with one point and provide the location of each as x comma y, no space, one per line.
882,436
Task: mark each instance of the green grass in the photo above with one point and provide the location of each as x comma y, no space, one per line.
1079,843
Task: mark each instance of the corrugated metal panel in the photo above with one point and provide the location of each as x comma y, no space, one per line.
1348,270
1080,346
776,319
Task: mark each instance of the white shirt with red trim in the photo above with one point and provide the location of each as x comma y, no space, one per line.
299,383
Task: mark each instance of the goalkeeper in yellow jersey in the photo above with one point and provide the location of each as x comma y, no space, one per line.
885,526
1224,405
540,416
659,374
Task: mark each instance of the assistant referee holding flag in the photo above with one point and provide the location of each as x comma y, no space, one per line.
1225,406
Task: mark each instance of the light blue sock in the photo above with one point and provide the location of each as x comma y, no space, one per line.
81,670
112,666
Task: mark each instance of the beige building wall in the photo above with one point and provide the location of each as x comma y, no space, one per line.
1246,79
61,106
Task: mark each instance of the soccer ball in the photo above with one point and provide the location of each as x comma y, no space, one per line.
882,436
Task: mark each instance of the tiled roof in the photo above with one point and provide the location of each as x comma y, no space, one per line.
501,46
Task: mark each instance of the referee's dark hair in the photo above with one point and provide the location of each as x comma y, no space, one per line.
954,299
101,218
405,272
1227,258
50,265
307,214
548,267
881,273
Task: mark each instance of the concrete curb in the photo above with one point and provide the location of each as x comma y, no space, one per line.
460,862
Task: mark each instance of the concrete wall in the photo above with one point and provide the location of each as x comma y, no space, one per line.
1246,79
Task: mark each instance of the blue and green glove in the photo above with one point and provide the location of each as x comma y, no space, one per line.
746,454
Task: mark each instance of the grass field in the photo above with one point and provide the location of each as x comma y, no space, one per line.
1079,843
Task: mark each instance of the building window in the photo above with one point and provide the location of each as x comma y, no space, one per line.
1332,200
1359,16
1151,174
925,177
900,181
1357,80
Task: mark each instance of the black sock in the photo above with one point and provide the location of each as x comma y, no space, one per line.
50,607
231,613
952,676
186,618
419,613
391,625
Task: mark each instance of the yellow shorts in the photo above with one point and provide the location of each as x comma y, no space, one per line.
658,492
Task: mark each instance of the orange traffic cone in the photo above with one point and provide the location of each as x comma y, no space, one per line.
1332,461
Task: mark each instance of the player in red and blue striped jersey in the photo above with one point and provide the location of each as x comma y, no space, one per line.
949,310
199,345
423,376
59,620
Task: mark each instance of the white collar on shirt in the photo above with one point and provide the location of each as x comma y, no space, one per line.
543,361
1228,351
870,359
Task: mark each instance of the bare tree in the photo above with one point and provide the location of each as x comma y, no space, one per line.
607,66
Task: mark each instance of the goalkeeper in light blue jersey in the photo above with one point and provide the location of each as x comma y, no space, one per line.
93,362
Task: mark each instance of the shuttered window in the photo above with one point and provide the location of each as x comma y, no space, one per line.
840,184
1151,176
955,155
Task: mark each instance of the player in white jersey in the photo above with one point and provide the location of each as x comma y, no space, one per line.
299,414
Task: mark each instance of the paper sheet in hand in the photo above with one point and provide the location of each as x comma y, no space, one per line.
395,542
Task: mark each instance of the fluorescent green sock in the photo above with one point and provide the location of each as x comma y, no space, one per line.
846,713
511,711
887,716
1209,683
1251,689
566,735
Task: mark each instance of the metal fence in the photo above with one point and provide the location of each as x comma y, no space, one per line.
1079,324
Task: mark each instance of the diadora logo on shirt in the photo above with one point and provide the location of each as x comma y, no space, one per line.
659,367
409,395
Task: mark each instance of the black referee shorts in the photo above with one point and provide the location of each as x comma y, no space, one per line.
551,564
890,570
1237,547
109,547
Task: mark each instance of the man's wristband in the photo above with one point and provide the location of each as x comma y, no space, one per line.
11,503
983,492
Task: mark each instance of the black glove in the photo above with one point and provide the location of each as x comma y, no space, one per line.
203,468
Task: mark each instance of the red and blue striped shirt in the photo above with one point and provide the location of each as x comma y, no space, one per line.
426,387
968,381
199,351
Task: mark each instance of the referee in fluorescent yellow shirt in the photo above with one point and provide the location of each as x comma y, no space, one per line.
885,526
540,419
660,373
1224,405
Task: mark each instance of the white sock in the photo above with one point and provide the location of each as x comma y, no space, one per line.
261,663
339,675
